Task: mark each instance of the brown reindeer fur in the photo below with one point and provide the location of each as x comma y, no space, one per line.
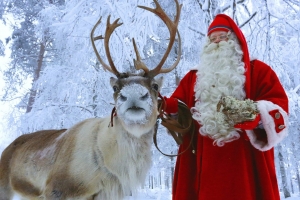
22,142
91,160
32,167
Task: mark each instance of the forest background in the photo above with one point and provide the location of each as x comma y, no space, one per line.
51,78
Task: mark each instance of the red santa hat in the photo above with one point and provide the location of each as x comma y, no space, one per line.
219,24
225,23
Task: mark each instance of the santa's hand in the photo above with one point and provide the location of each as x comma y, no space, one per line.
248,125
238,111
171,105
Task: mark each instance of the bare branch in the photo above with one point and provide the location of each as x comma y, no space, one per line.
243,24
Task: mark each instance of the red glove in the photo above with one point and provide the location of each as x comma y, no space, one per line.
171,106
248,125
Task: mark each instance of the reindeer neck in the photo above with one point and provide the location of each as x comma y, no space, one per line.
132,131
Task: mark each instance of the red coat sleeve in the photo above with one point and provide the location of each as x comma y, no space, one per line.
185,90
272,103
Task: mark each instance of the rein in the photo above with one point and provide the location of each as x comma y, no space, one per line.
178,128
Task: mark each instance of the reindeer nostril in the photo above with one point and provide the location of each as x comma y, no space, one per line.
144,97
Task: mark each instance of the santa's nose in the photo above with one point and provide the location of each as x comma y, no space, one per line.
217,40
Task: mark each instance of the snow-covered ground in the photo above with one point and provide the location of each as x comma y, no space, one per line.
292,198
159,194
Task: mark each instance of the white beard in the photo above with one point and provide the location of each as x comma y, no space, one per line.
221,73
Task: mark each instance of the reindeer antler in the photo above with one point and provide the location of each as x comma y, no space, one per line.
109,30
172,26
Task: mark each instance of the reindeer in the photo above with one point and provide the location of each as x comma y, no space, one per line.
102,158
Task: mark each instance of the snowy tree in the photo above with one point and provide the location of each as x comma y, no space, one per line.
51,45
28,47
2,48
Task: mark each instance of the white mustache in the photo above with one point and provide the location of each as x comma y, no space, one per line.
216,46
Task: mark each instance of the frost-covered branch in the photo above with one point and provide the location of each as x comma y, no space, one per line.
248,20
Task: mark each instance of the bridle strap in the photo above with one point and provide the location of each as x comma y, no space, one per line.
113,113
176,127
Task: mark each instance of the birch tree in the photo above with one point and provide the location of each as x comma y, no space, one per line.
28,48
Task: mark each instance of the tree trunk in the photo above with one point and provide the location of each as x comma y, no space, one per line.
285,188
268,38
36,76
298,180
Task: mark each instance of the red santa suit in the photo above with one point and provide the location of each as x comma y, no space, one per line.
242,169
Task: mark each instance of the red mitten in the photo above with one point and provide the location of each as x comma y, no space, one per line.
171,106
248,125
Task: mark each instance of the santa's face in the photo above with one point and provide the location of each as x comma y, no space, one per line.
218,36
221,73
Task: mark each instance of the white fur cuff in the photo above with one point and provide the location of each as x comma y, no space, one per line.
275,122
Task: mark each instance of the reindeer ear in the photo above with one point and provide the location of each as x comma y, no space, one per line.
159,81
113,81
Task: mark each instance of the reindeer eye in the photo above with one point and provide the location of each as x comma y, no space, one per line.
155,87
115,88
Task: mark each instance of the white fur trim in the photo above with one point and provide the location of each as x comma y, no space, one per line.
273,138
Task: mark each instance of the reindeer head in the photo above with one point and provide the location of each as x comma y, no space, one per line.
136,95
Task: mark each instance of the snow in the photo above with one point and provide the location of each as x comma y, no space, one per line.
150,194
161,194
66,84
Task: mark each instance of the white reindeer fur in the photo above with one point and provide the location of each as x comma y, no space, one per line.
91,160
124,159
105,159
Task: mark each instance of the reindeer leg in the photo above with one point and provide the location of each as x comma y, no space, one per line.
5,192
5,189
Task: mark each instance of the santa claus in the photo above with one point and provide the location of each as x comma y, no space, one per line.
232,160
